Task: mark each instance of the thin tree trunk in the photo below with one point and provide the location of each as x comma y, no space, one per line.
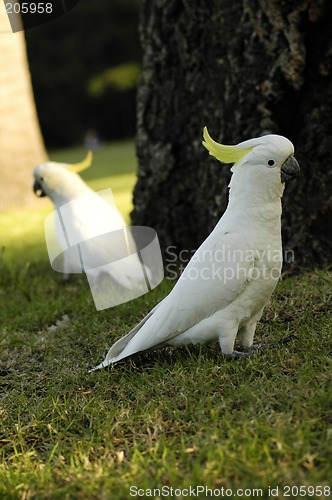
243,68
21,143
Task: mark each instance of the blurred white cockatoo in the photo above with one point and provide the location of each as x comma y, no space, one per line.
223,290
84,218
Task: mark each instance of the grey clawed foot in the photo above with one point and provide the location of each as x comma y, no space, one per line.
238,355
263,347
257,347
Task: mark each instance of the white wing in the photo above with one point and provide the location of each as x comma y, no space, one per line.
83,221
214,277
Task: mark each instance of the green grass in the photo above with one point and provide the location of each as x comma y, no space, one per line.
177,418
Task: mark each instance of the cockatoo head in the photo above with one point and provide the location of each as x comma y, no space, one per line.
265,163
59,181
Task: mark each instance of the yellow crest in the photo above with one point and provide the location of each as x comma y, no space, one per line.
82,165
225,154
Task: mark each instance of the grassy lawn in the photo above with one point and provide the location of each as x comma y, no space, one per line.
175,418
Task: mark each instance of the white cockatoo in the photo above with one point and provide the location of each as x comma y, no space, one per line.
86,220
223,290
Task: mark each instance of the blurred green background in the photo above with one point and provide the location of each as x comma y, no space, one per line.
84,67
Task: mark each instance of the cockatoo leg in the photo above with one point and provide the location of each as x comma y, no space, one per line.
227,340
247,332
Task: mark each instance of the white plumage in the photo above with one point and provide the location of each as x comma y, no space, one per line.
223,290
85,218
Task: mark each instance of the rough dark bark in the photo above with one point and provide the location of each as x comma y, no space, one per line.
243,68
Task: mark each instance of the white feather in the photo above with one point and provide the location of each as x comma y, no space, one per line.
220,298
83,217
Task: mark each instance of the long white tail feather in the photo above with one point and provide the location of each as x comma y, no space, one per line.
119,346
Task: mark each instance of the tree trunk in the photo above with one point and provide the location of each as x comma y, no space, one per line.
243,68
21,143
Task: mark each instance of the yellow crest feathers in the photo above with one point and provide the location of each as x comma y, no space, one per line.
225,154
82,165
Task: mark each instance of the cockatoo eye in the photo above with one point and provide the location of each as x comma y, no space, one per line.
41,178
271,163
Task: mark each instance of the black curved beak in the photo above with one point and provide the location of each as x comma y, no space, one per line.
290,170
38,190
